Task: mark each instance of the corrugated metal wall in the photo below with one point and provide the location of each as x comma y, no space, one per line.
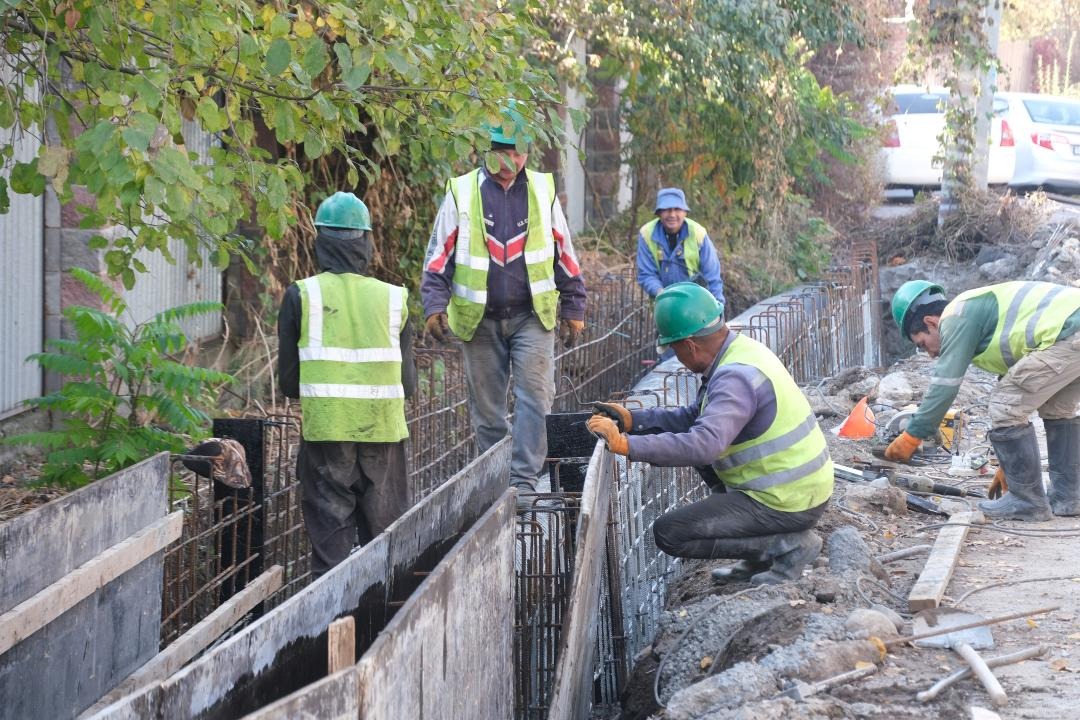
166,285
21,289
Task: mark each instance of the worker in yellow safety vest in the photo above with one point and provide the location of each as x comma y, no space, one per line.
345,349
1027,334
752,425
501,274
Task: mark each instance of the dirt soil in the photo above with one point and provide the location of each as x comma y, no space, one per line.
714,668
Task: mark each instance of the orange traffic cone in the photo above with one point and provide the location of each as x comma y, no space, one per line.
859,424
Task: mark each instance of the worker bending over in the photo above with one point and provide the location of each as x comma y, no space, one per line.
1026,333
752,425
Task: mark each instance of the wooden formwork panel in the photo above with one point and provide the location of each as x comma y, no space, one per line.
285,650
447,654
573,690
99,635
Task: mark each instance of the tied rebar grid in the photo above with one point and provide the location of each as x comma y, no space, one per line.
230,535
822,327
544,563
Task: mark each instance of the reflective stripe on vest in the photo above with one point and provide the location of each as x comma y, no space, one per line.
350,359
1030,317
471,259
695,238
787,467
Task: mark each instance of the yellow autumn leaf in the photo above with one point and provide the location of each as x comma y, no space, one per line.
705,662
319,22
1059,664
1032,624
148,16
863,664
335,24
200,81
140,4
303,29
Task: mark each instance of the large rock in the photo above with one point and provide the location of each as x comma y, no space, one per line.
867,498
862,622
1058,261
850,555
1000,270
895,389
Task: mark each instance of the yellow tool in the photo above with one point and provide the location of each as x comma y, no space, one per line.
951,430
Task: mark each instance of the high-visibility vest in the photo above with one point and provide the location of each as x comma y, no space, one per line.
471,259
695,238
350,358
1030,318
787,467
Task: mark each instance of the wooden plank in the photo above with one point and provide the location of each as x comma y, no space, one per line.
448,652
40,547
195,640
936,574
573,687
36,612
341,644
335,697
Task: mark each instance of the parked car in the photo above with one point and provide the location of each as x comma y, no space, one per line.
1047,132
911,149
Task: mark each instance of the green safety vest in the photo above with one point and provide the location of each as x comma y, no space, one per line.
350,358
1030,318
787,467
691,246
471,259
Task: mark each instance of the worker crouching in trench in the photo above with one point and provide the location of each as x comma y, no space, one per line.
752,425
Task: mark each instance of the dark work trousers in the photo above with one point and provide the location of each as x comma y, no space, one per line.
690,531
352,492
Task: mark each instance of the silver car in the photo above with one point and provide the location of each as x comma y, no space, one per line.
1046,129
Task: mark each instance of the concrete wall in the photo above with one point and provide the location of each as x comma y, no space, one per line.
287,649
65,667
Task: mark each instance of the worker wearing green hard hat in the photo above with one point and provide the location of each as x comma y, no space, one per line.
1028,334
501,275
752,434
345,350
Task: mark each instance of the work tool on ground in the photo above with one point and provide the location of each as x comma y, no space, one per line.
965,643
800,691
992,662
974,624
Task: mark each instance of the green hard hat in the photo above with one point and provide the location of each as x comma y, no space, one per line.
906,297
513,127
684,310
343,210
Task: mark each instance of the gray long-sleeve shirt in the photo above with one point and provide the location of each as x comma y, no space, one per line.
741,406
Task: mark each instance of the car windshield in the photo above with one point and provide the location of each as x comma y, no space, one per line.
1055,112
918,104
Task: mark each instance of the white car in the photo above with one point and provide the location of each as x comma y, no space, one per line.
911,149
1047,132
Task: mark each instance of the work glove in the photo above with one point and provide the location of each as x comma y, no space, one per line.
998,486
438,326
605,428
618,413
570,331
902,448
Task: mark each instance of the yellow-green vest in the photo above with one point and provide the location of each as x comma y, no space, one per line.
471,259
691,246
1030,318
350,358
787,467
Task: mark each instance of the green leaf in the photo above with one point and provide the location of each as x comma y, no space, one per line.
278,56
315,57
399,62
140,131
26,179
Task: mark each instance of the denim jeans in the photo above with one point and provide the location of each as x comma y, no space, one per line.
520,345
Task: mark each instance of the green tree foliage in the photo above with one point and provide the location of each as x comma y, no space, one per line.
718,99
280,87
125,397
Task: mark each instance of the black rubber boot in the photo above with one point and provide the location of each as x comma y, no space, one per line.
1063,451
1018,452
750,551
790,554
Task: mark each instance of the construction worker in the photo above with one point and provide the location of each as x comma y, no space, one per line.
1026,333
345,349
501,274
673,248
753,425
